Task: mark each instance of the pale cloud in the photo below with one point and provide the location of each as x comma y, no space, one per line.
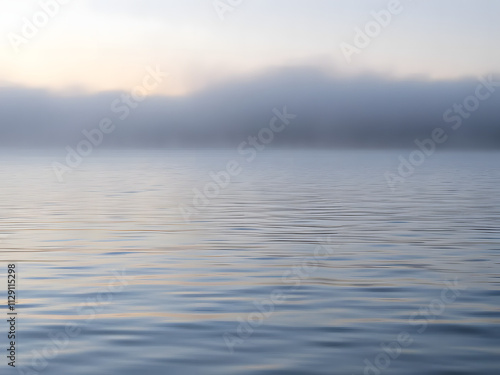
100,46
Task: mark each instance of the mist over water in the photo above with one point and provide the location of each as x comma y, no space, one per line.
332,111
183,285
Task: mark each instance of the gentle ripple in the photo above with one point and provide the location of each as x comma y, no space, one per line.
189,283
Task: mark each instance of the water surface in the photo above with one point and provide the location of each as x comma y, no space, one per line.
186,286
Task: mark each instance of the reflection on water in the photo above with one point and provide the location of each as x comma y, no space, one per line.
108,256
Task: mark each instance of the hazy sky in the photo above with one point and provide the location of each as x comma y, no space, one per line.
95,45
227,76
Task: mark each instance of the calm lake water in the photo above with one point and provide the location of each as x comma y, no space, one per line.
306,263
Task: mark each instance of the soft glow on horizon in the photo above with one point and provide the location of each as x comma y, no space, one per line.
97,47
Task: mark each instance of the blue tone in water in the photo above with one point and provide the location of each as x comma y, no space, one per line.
378,282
